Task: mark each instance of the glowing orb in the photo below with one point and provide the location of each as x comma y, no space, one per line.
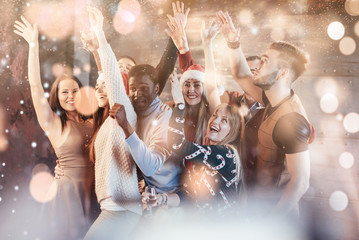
40,167
326,85
88,104
338,201
352,7
346,160
53,18
351,122
347,46
329,103
356,28
336,30
246,17
42,188
59,69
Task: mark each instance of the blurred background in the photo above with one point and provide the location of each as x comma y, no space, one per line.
327,29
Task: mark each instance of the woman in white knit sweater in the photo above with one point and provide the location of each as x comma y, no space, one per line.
115,171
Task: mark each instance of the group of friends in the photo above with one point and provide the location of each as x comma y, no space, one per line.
206,152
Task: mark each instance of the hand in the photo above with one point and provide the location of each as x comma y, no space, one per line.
96,20
210,32
27,31
58,170
176,26
179,14
176,88
118,112
89,41
227,28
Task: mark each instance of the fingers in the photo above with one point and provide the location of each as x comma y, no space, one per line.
20,24
18,33
182,7
168,32
26,22
221,17
187,12
174,8
178,5
19,28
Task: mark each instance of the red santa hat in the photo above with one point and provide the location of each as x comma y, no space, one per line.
193,72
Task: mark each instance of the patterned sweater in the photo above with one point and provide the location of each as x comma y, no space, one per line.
115,171
215,186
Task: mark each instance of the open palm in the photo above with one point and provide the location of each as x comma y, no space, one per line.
26,30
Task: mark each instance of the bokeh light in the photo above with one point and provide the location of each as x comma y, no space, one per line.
356,28
351,122
40,167
346,160
42,188
53,18
338,201
336,30
277,34
326,85
329,103
347,46
88,104
352,7
59,69
127,13
246,17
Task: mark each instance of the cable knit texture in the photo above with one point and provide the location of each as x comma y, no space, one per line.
115,171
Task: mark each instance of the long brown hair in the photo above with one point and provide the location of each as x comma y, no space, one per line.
202,117
98,117
54,98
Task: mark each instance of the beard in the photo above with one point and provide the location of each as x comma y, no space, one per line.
265,82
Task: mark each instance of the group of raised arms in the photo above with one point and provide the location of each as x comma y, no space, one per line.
204,153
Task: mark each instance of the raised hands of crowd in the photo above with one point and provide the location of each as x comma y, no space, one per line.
89,41
209,32
177,24
176,88
96,23
29,32
226,27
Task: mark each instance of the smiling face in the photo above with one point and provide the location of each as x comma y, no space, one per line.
218,125
68,93
142,92
192,91
101,93
266,75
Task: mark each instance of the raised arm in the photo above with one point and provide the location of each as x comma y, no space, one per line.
113,79
48,120
239,67
89,41
208,34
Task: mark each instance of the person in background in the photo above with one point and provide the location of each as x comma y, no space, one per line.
283,167
67,215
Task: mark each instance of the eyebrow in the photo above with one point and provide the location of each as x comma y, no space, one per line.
264,55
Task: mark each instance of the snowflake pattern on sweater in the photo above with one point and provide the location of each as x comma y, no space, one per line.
213,186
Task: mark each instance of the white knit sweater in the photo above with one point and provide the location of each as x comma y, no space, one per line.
115,170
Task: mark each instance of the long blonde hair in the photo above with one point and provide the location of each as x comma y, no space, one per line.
235,135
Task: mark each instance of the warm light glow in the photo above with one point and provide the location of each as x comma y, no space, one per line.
59,69
246,17
42,188
356,28
326,85
54,19
277,34
329,103
88,104
131,6
347,46
336,30
338,201
157,2
40,167
352,7
351,122
346,160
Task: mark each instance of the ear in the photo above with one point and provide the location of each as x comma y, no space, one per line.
157,88
283,73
